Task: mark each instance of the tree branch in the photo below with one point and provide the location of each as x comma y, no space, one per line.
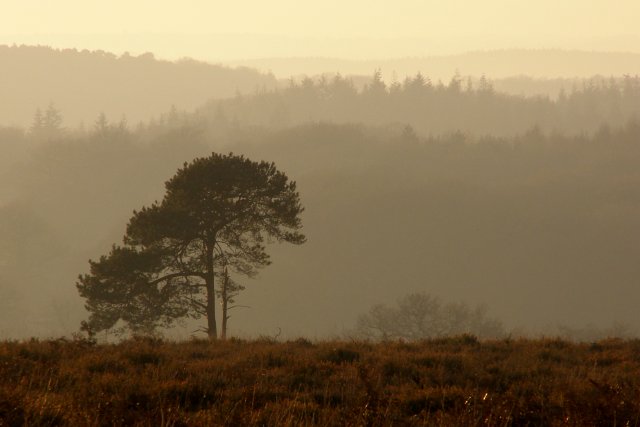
174,275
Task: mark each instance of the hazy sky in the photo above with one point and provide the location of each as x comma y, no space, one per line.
287,27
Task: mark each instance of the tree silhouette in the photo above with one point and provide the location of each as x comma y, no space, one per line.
38,123
52,120
48,124
377,87
101,125
216,216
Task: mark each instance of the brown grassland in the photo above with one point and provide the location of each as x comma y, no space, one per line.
446,382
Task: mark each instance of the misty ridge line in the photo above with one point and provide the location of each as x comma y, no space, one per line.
142,87
231,47
136,86
540,63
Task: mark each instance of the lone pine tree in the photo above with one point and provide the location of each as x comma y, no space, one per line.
217,214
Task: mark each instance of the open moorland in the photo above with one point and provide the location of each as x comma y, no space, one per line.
455,381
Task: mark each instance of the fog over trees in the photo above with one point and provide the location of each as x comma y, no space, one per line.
529,206
421,317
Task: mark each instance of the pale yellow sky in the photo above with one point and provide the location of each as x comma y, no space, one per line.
280,27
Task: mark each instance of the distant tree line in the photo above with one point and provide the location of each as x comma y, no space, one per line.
433,107
417,106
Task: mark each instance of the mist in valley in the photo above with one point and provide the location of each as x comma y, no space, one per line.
502,178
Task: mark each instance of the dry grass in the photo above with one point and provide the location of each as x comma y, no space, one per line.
457,381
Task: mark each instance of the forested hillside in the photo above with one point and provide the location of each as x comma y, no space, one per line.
84,83
521,224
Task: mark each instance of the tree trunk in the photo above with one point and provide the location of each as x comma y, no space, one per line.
212,328
225,300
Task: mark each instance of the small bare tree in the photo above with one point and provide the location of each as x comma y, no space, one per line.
421,316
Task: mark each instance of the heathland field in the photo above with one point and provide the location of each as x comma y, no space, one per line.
450,382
